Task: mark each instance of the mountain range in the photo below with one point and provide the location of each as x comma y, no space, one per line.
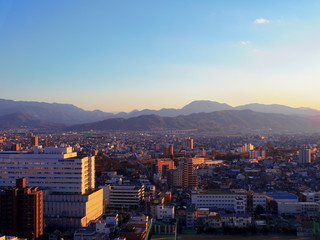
226,121
201,115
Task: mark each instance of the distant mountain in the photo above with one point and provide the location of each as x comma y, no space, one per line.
24,120
244,121
52,112
193,107
211,106
69,114
204,106
276,108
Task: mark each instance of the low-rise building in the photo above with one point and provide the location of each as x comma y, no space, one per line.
72,211
123,196
234,202
89,234
165,212
296,208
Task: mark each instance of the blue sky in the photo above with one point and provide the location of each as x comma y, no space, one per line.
125,55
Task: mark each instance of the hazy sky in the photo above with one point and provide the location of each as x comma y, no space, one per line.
122,55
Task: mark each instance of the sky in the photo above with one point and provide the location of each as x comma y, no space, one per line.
121,55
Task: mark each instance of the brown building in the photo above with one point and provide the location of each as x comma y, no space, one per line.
184,175
188,143
189,179
16,147
21,211
35,141
168,150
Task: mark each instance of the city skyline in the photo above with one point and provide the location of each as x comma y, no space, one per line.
123,56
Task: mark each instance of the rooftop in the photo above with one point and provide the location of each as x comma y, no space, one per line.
282,195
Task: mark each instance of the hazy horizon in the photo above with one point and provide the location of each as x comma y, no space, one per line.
120,56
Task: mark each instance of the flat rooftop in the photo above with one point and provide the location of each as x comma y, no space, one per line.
282,195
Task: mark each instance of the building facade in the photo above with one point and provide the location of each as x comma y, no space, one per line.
123,196
67,180
220,201
57,169
73,210
21,211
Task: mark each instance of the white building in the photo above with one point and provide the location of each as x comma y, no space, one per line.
295,208
311,196
165,212
57,169
235,202
68,182
108,224
73,211
112,219
259,199
122,196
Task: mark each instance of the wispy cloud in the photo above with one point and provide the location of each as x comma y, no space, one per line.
245,42
261,20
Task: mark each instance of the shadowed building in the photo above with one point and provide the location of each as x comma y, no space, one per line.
21,211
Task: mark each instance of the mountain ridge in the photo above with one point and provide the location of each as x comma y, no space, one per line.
69,114
244,121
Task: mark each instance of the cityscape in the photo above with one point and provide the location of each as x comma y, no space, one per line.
159,120
158,184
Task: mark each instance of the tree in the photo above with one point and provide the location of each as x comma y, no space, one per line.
259,210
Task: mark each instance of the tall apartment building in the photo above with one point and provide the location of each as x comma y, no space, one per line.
184,175
305,156
247,147
168,150
257,154
35,141
67,180
21,211
188,143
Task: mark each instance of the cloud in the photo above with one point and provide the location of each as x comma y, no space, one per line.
245,42
261,21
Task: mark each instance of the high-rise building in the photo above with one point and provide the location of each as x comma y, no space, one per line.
257,154
247,147
70,200
168,150
184,175
57,169
188,143
16,147
21,211
35,140
305,156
